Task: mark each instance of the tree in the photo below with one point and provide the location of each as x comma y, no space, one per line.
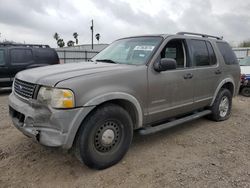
60,43
56,36
245,43
75,35
98,36
70,43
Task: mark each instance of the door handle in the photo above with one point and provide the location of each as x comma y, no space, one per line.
218,71
188,76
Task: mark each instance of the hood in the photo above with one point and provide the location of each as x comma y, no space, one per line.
245,70
51,75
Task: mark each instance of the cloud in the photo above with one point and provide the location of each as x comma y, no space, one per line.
35,21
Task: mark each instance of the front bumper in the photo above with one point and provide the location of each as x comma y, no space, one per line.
48,126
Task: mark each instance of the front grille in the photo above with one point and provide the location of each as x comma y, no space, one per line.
24,89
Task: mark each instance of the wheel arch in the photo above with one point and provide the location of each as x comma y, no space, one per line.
227,83
126,101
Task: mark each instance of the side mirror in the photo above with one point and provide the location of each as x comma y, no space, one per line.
165,64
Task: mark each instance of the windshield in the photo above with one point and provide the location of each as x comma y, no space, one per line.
133,51
2,57
245,61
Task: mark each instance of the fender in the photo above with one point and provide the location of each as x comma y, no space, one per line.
227,80
89,106
119,95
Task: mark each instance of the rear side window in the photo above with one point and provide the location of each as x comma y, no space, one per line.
227,53
21,56
212,56
45,54
200,53
2,62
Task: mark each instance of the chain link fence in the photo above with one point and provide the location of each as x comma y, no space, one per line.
75,56
79,53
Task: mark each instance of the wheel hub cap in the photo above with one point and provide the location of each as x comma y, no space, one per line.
108,136
224,106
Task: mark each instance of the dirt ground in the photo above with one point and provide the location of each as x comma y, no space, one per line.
197,154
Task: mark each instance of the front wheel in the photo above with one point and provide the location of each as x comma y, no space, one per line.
221,109
104,137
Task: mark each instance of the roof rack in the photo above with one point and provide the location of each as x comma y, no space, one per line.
25,45
199,34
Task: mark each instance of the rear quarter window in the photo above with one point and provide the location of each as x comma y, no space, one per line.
227,53
46,55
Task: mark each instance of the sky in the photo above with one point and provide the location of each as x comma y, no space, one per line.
35,21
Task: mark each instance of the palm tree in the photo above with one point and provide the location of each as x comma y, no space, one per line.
60,43
75,35
70,43
98,36
56,36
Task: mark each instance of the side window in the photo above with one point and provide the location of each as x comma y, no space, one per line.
200,53
227,53
44,54
21,56
2,61
212,55
175,49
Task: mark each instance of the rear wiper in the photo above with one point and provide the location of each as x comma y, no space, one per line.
106,60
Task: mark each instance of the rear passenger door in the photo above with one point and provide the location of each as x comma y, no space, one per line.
207,71
20,58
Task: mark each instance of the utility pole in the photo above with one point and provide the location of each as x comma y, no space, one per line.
92,34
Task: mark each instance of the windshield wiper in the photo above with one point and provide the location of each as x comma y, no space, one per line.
106,60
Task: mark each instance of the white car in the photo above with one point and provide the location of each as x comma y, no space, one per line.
245,76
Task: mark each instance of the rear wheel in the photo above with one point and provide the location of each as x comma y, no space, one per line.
221,109
104,137
245,91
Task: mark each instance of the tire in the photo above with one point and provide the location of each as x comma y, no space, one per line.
245,91
104,137
221,109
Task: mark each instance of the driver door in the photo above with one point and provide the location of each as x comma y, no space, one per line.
171,92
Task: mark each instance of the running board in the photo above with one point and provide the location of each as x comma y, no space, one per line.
155,129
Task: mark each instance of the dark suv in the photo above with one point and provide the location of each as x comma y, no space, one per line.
17,57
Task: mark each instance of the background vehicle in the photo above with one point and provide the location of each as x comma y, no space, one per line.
18,57
245,76
145,83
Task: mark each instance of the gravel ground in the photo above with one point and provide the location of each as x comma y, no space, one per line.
197,154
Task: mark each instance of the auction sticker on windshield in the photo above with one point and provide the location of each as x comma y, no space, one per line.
144,48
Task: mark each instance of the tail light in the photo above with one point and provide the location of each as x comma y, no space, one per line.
242,77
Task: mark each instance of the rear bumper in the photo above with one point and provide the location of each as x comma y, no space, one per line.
50,127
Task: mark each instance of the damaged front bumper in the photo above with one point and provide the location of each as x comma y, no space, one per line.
48,126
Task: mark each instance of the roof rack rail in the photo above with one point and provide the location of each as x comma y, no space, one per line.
199,34
25,45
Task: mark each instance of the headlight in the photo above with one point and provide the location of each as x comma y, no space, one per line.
56,98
